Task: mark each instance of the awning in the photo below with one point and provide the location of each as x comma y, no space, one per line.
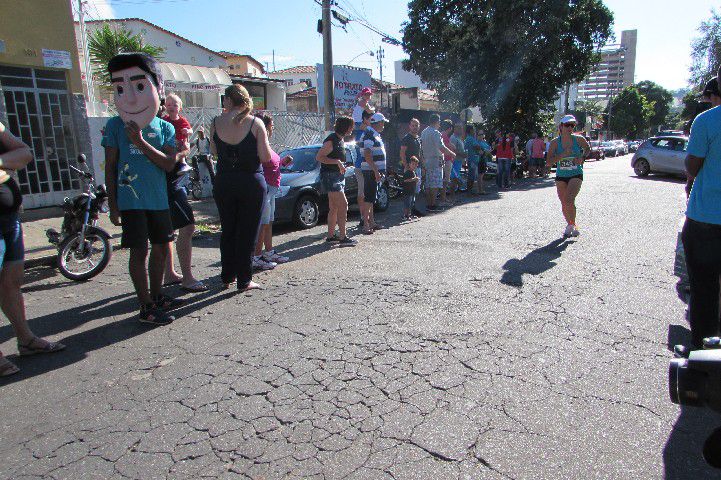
176,73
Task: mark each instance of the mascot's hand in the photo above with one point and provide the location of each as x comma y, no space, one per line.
135,135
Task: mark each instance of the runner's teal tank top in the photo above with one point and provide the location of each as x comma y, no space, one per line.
566,168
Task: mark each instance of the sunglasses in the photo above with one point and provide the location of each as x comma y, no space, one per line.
569,124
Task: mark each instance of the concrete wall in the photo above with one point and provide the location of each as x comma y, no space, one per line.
28,27
308,78
407,79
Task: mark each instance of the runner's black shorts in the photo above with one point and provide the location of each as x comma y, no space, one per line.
139,226
566,179
181,213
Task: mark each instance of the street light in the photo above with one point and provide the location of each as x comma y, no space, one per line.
369,52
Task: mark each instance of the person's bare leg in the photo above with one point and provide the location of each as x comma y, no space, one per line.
561,189
171,276
12,302
139,273
341,212
332,213
156,264
574,186
184,247
261,239
268,237
371,215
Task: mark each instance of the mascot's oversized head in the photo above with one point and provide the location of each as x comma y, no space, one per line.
137,86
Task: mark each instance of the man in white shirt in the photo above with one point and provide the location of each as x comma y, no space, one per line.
362,105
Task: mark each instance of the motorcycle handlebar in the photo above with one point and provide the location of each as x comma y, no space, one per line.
87,175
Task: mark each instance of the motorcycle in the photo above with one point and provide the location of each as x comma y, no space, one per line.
84,249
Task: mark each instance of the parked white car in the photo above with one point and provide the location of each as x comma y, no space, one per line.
662,154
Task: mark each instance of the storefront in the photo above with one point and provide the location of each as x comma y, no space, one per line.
198,87
267,93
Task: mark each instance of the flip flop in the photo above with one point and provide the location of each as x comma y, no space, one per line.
196,287
32,348
7,367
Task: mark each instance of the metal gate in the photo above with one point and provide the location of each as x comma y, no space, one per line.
38,111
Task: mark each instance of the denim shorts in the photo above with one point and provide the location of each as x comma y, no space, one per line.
268,214
456,169
12,235
332,182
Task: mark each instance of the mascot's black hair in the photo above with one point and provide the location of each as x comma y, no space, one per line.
143,61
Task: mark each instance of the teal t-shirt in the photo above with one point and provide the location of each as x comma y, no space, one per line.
141,184
704,204
473,148
566,168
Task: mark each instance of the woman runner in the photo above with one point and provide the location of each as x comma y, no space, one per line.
568,152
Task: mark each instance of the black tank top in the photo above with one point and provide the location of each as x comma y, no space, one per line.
242,156
10,196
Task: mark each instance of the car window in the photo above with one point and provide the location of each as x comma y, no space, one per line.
662,143
678,145
303,159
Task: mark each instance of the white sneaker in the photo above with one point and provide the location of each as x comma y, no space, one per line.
273,256
568,231
259,263
576,232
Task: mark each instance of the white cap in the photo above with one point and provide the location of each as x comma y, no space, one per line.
568,119
378,117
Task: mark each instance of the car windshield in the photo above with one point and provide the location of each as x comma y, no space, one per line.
607,144
303,159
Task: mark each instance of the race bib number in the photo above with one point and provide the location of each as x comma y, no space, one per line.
567,163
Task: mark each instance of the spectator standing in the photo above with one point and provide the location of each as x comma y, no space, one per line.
459,148
473,150
710,94
411,147
701,234
362,105
240,141
432,151
537,156
358,172
268,259
446,132
136,163
410,180
15,155
486,155
202,144
505,154
331,157
373,168
181,213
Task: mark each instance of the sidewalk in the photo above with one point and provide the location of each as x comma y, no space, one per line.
38,251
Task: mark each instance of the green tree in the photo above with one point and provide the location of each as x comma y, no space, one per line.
706,51
662,99
509,57
106,42
630,113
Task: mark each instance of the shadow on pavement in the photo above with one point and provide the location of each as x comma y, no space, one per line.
683,452
659,177
79,344
678,335
534,263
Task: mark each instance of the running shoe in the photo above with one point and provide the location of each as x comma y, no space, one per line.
152,315
417,213
347,242
259,263
575,232
333,239
568,231
273,256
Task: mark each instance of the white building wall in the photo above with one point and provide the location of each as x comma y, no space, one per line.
407,79
308,78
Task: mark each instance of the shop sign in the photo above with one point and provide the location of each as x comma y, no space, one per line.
192,86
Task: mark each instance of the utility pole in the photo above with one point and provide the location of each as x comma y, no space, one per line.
329,101
86,55
381,55
274,60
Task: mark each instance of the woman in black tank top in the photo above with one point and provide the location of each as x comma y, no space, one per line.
15,155
239,189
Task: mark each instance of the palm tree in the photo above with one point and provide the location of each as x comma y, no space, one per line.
106,42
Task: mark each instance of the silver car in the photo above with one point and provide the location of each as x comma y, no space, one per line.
662,154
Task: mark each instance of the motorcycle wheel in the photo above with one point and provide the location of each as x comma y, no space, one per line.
394,187
79,264
196,190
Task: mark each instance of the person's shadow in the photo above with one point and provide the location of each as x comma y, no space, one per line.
534,263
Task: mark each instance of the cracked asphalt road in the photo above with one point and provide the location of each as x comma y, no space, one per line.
473,344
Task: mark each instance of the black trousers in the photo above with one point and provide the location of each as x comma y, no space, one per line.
239,197
702,246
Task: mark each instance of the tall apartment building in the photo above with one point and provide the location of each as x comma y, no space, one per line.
615,71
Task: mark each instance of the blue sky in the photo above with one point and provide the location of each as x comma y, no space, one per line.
665,29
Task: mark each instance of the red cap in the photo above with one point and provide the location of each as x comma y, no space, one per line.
366,91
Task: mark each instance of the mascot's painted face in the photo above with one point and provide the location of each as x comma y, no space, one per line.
136,96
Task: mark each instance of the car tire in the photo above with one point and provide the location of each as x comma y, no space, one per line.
306,212
642,168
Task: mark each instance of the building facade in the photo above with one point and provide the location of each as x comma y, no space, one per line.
244,65
295,75
41,96
406,78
